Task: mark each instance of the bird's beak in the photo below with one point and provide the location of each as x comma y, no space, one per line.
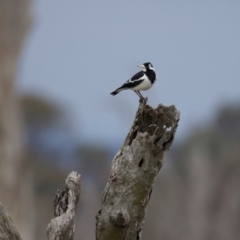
141,66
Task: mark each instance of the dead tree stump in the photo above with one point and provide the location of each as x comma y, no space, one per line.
134,169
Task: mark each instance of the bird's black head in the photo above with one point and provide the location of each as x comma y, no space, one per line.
146,66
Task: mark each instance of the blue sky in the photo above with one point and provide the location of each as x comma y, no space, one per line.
77,52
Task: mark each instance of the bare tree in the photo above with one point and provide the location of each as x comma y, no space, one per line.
129,187
63,225
133,172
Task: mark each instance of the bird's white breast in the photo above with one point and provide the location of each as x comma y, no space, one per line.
144,85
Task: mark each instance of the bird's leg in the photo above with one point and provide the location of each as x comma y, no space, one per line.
138,93
141,96
142,99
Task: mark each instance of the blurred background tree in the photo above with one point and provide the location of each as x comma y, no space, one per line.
15,177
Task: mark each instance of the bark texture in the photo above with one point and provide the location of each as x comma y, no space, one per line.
134,169
63,225
7,228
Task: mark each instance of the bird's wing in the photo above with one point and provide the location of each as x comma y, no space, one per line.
135,80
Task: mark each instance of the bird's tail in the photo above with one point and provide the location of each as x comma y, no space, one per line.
117,91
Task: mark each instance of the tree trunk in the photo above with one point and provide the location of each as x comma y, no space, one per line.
7,228
62,227
128,189
14,185
133,172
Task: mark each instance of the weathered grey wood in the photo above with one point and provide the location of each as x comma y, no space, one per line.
63,225
7,229
134,169
128,189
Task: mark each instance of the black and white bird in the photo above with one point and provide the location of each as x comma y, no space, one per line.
141,81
